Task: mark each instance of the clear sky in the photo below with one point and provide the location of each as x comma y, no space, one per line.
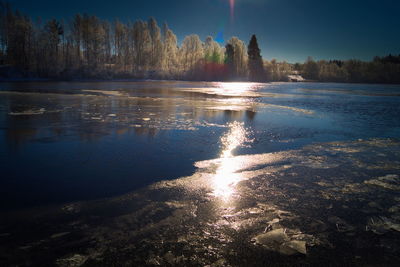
286,29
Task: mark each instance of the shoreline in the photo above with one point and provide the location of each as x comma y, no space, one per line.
39,80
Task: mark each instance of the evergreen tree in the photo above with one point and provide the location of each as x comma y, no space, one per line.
192,52
229,56
256,67
170,54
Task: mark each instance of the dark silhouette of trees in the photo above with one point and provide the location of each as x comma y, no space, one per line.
16,37
229,57
53,31
255,62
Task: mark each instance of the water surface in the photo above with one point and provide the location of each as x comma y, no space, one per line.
232,171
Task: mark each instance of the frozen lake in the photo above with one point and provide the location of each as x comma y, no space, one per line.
199,173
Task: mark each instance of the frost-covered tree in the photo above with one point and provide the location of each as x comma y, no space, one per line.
239,60
76,37
213,60
212,51
142,47
170,53
120,32
107,44
191,53
156,52
311,69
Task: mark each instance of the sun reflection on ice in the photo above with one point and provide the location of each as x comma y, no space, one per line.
226,176
236,89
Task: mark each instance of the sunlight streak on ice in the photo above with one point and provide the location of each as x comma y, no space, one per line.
226,176
234,89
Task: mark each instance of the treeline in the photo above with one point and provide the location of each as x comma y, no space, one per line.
380,70
88,47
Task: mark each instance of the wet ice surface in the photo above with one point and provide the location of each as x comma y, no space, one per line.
229,174
319,204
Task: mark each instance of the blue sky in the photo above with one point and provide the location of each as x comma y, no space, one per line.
287,29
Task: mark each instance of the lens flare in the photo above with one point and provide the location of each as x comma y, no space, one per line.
220,37
232,6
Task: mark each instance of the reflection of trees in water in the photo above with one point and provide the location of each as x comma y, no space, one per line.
233,114
17,136
22,128
250,114
229,115
93,132
91,117
150,132
50,124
